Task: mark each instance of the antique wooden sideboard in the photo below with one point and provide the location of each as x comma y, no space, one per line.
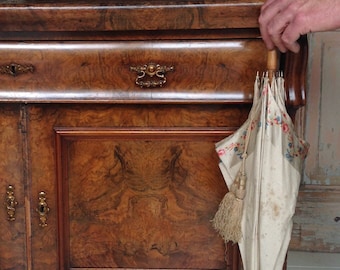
109,112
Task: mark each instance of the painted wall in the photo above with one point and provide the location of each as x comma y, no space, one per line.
316,225
313,261
323,110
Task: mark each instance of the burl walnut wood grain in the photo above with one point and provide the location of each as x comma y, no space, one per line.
142,202
204,71
133,15
12,233
130,174
136,184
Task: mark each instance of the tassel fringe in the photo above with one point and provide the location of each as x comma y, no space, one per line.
227,220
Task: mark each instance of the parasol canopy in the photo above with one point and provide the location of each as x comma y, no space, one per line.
263,159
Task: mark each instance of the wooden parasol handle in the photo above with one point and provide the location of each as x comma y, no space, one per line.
272,63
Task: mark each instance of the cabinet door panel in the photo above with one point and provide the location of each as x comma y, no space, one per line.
129,185
138,198
12,233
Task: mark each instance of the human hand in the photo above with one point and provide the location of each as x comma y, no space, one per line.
283,21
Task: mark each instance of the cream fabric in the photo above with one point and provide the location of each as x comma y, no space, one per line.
273,169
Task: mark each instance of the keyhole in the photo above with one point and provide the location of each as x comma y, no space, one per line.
42,209
13,70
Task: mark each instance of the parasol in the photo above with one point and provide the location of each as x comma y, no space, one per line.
261,164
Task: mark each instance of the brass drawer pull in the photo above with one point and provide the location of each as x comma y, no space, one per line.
16,69
10,203
42,209
151,75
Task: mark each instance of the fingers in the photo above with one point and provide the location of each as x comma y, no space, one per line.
283,21
267,3
276,26
289,38
277,29
269,13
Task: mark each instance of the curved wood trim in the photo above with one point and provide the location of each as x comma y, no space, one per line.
295,69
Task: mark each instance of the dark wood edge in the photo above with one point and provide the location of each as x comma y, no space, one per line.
294,66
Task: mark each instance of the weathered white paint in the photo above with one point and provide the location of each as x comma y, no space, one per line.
323,110
314,225
312,260
315,228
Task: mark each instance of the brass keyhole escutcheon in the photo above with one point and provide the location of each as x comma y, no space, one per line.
42,209
10,203
14,69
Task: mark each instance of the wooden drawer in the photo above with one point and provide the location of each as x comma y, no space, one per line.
219,71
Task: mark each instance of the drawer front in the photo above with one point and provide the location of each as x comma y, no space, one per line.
188,71
99,15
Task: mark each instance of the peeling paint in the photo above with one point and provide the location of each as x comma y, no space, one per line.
315,228
323,111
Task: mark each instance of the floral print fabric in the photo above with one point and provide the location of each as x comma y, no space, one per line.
273,166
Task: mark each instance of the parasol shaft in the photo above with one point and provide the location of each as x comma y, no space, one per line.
272,63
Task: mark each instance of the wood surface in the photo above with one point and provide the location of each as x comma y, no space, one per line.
130,174
204,71
12,233
148,202
109,160
117,15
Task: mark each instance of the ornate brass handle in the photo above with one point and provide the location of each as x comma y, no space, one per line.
42,209
151,75
15,69
10,203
